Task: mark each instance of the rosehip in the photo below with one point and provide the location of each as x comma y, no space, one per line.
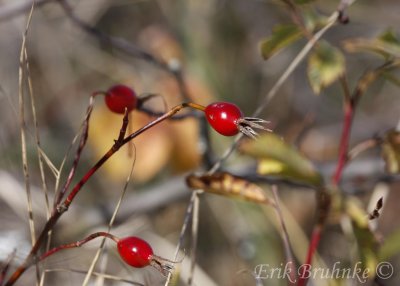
223,117
227,119
138,253
135,251
119,97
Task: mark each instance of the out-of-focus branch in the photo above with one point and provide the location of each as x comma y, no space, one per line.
128,48
19,7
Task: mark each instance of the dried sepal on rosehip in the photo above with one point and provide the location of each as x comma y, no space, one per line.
246,125
227,119
138,253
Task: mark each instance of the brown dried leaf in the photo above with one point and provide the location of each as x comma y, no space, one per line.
225,184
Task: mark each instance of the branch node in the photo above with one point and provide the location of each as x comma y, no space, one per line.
62,208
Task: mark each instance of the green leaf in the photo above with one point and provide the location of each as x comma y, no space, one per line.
391,78
390,247
389,37
280,159
282,36
312,19
325,65
366,242
391,151
387,45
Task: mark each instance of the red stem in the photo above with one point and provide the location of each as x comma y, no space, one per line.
78,243
342,160
306,267
344,142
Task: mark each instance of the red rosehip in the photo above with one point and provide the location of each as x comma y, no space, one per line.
135,251
120,97
223,117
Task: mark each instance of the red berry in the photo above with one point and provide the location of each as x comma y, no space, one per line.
135,251
120,97
223,117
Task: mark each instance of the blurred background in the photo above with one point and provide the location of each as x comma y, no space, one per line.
217,45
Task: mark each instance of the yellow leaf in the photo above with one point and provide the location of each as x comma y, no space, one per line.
280,159
325,65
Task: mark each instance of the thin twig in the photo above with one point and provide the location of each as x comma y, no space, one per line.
186,222
102,275
195,231
362,147
78,243
285,238
110,224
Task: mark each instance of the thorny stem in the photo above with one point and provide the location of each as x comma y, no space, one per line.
62,208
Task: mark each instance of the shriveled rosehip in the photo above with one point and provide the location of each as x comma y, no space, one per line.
120,97
135,251
223,117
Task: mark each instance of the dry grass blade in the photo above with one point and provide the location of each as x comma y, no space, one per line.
110,224
82,143
65,159
195,232
23,124
105,276
186,221
37,136
285,238
22,61
48,162
39,153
